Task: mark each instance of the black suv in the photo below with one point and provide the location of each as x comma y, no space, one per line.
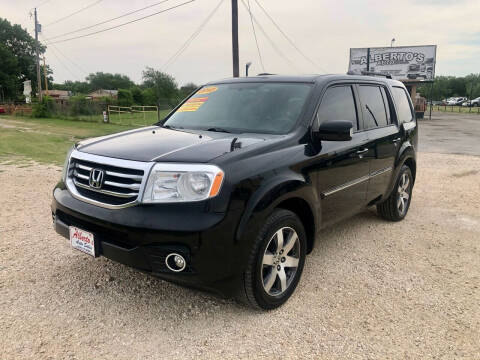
231,190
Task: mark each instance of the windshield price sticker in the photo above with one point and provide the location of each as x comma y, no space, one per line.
207,90
193,104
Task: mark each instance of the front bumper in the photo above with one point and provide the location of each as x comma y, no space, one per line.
142,236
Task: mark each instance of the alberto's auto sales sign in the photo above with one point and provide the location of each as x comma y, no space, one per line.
413,63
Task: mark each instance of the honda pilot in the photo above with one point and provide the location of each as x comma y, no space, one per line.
230,191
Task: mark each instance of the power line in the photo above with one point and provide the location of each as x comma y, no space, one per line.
288,39
40,4
126,23
192,37
255,35
279,52
65,66
107,21
74,13
81,69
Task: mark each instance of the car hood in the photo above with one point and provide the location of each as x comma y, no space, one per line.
160,144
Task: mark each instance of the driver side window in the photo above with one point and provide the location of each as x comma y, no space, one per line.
338,103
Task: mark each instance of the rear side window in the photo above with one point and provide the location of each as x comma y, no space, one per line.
374,107
403,105
338,104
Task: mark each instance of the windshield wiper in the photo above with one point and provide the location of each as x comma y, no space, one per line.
172,127
218,129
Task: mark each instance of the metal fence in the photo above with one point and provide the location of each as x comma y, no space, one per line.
457,109
132,115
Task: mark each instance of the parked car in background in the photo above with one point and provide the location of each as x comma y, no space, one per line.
474,102
446,101
456,101
437,102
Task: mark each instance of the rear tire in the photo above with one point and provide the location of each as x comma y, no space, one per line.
276,261
396,206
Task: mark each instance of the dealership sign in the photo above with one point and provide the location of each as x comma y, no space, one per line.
402,62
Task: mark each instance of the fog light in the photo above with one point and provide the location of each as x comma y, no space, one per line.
179,261
175,262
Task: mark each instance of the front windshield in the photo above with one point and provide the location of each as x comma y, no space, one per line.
271,108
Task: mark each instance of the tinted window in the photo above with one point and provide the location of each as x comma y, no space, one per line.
338,104
403,105
374,110
243,107
388,103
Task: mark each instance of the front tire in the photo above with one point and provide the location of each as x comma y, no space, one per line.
396,206
276,261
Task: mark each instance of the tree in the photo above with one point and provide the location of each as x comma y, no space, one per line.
450,86
17,42
49,77
163,85
77,87
125,97
187,89
8,74
148,97
137,95
101,80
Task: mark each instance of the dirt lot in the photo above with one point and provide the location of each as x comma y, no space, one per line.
370,289
450,133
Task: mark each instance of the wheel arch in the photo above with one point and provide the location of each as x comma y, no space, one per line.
296,195
412,164
406,156
303,210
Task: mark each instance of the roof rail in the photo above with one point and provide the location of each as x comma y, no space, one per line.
373,73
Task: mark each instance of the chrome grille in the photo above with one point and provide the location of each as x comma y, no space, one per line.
121,185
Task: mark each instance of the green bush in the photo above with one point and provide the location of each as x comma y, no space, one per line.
79,105
44,108
149,97
137,95
125,97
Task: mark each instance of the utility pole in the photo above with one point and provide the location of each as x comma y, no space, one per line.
45,75
39,83
236,70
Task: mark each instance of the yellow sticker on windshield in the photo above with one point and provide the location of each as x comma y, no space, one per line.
192,104
207,90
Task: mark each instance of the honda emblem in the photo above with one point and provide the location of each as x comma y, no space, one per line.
96,178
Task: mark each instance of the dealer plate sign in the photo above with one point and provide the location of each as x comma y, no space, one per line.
82,240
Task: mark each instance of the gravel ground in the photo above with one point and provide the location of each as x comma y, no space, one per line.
370,290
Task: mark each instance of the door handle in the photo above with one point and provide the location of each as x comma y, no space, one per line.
396,140
361,152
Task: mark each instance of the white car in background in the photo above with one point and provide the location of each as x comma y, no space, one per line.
474,102
456,101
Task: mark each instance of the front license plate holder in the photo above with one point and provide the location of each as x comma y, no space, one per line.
82,240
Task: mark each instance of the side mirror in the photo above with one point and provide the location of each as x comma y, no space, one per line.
335,130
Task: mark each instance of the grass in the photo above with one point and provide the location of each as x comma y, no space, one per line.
47,141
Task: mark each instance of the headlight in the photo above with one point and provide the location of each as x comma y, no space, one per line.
182,183
65,164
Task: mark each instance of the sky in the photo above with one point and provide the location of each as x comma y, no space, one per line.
323,31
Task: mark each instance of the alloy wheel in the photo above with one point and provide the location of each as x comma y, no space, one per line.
280,261
403,193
